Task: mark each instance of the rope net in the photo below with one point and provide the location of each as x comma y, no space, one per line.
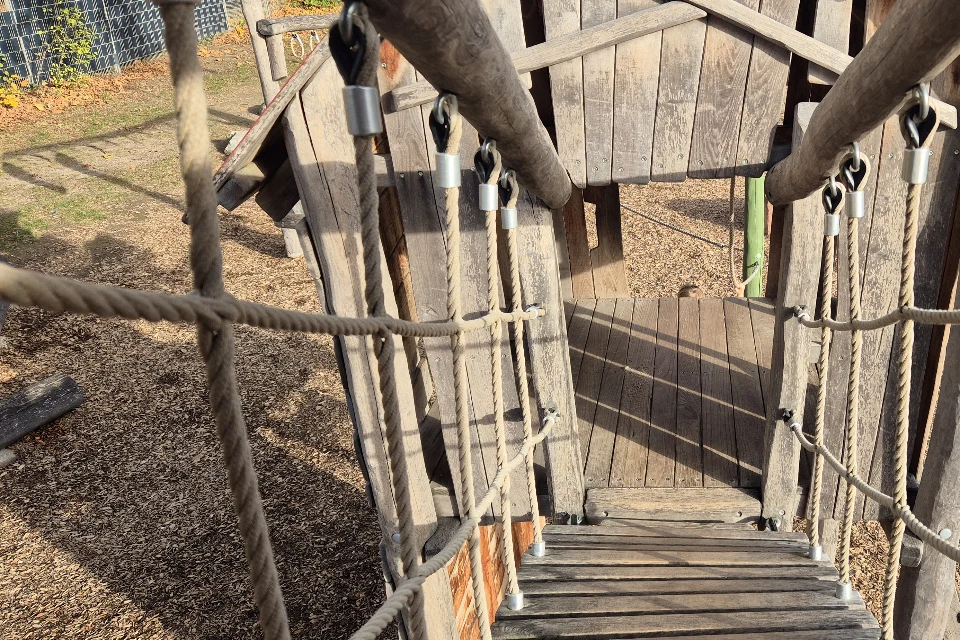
214,311
920,116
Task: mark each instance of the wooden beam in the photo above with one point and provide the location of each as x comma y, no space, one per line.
570,46
454,46
799,271
831,26
925,593
252,14
916,42
278,26
35,406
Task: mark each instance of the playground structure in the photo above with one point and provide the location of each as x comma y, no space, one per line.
672,424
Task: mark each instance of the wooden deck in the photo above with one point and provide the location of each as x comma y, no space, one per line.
669,392
645,580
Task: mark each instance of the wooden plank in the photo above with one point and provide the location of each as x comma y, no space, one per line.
765,95
563,256
723,81
799,271
720,504
578,246
628,468
507,21
681,58
591,371
674,543
646,529
550,356
604,434
720,460
531,573
278,26
683,623
252,14
748,410
36,405
761,318
562,18
685,558
831,26
609,270
663,413
598,70
629,604
633,523
577,333
674,587
689,471
637,75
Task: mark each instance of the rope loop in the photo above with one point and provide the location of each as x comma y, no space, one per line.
445,111
854,169
348,43
509,188
920,119
832,196
485,159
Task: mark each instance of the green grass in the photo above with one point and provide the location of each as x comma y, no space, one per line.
44,212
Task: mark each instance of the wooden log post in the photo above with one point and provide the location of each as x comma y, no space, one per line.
35,406
799,271
925,593
454,46
753,223
915,44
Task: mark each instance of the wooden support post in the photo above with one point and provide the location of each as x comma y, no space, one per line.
925,593
799,271
455,47
914,44
753,223
609,272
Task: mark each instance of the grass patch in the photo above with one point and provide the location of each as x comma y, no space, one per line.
19,228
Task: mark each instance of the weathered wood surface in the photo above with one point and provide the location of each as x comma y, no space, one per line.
456,48
681,60
720,455
748,408
661,455
831,26
799,272
578,247
531,573
609,270
590,373
562,18
38,404
252,14
719,504
723,79
915,44
267,27
689,471
598,70
674,587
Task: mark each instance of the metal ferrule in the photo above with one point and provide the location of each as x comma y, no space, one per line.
916,162
508,217
831,224
489,197
538,549
853,204
816,553
515,601
362,105
845,591
448,170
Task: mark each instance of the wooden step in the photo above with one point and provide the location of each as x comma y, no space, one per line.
677,586
676,524
716,504
709,557
821,571
642,529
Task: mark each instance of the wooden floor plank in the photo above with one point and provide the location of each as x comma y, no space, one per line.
689,469
599,458
645,523
663,412
545,607
748,412
719,439
579,327
709,504
633,427
825,634
587,386
658,530
761,316
587,541
668,587
711,558
529,573
679,623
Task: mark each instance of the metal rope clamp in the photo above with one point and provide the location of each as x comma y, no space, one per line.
441,119
832,199
854,169
508,189
348,47
918,124
485,162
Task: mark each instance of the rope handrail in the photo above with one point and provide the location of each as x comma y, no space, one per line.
908,312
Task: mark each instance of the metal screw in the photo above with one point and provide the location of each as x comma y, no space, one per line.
680,156
604,161
402,176
873,156
956,152
578,163
620,170
782,512
383,64
606,514
420,173
596,168
660,166
643,157
700,163
889,156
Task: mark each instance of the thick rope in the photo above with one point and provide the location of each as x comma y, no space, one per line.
496,375
823,365
217,347
914,314
384,345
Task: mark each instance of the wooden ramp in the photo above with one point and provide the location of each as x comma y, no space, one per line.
670,392
651,580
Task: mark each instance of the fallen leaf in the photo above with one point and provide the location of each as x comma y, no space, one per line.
39,106
106,155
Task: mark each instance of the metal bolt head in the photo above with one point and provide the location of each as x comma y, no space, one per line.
383,64
700,163
782,512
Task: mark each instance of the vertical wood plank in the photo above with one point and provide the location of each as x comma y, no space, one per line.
723,78
550,356
689,428
578,248
577,332
563,256
637,74
719,430
663,412
598,76
507,20
831,26
747,395
799,271
562,17
629,465
591,371
680,62
761,316
766,92
600,456
609,271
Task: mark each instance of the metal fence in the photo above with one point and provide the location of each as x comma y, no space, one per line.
124,31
